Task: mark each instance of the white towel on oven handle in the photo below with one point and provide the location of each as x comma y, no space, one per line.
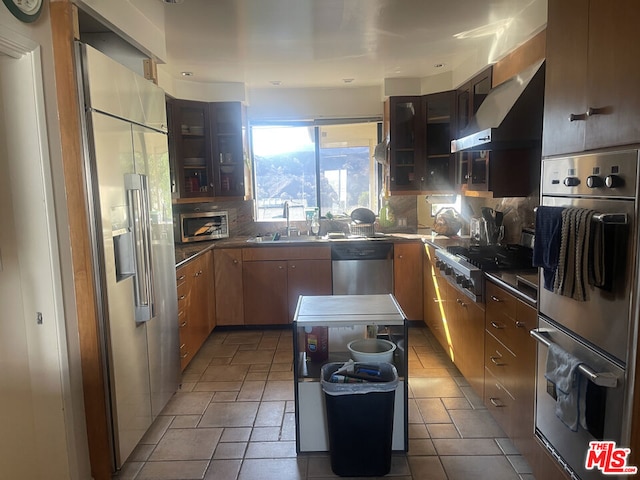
571,387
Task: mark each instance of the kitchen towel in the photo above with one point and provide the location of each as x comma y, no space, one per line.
572,275
546,246
570,386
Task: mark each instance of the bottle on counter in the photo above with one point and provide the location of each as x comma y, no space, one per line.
316,340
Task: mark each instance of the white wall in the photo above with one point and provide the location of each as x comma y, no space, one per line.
54,387
318,103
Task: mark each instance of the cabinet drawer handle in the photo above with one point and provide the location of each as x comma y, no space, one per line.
591,111
400,256
496,402
185,355
573,117
495,299
182,297
293,266
235,261
181,277
182,346
496,362
182,325
198,273
497,325
520,324
280,267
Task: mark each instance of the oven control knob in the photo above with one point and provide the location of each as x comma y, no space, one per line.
466,283
459,279
571,182
448,270
613,181
595,181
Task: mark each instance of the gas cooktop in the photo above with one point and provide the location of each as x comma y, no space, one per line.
495,257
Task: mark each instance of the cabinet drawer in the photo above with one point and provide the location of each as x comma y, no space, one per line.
500,403
286,253
501,363
183,296
501,318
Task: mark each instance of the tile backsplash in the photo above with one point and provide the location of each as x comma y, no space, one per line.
412,215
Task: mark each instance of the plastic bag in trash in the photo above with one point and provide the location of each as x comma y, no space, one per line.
358,378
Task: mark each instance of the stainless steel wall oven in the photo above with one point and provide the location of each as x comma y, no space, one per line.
599,330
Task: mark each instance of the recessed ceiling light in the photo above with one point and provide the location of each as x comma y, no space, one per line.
173,2
347,80
439,65
275,82
187,74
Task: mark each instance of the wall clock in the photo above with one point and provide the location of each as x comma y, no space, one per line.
24,10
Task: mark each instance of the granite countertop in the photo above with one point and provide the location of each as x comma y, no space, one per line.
187,251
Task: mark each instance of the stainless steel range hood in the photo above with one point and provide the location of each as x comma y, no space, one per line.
510,117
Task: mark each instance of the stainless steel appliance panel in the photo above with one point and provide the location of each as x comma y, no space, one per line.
127,339
152,159
362,277
112,88
573,446
610,311
362,267
127,170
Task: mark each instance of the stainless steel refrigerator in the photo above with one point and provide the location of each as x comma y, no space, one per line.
128,186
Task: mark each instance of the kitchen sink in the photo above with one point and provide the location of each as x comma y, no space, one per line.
294,239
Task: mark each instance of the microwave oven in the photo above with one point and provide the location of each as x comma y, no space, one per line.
201,226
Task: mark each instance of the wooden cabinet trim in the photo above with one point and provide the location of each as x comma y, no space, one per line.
322,252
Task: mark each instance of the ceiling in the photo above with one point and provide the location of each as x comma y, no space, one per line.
328,43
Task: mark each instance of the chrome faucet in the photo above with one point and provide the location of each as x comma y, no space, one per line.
285,214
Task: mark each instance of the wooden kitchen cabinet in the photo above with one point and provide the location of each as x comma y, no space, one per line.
207,148
499,173
195,314
228,279
407,278
434,297
510,364
465,319
406,128
469,97
420,132
227,132
190,147
274,278
439,120
592,75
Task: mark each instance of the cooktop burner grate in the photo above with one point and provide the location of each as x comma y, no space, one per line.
495,257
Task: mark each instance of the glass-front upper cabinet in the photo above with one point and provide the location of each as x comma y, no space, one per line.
207,146
190,145
439,110
406,139
228,151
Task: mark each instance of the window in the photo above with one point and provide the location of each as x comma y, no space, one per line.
329,166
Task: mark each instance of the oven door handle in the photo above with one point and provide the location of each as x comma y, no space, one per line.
602,379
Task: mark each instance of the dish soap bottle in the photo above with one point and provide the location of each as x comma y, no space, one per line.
386,216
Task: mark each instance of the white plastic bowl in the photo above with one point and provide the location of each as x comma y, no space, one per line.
371,350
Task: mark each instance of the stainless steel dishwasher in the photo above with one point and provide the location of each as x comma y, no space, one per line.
362,267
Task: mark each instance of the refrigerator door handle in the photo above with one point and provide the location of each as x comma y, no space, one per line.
138,200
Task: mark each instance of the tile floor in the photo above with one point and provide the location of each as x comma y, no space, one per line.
233,419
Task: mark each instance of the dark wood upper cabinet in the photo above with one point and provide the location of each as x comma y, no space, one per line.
439,111
469,97
420,134
206,145
592,99
406,143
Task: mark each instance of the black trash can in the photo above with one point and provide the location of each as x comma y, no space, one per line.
360,418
